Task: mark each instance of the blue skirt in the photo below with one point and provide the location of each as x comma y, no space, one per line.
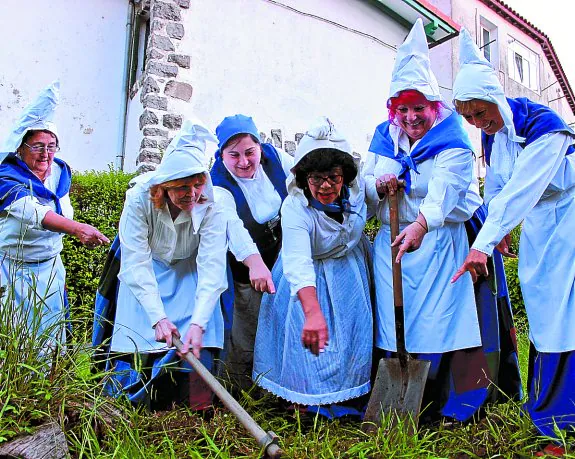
284,367
551,385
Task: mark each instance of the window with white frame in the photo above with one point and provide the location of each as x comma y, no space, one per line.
523,64
488,41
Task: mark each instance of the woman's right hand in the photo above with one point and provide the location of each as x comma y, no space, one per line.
164,330
89,236
386,184
315,334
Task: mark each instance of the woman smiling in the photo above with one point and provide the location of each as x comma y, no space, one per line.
314,339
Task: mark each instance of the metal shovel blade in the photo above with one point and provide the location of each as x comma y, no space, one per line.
398,390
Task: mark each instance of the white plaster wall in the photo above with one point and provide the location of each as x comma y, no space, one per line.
285,68
81,43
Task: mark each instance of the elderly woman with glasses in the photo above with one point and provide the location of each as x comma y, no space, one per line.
314,339
35,213
454,326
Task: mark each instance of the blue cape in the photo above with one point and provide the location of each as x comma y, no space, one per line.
531,121
17,181
447,134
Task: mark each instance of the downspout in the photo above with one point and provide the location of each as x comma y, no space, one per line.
126,85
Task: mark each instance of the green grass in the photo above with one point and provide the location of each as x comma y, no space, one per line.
67,389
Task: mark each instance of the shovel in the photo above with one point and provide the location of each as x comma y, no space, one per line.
267,440
400,382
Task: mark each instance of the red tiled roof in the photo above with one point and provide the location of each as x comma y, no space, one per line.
512,16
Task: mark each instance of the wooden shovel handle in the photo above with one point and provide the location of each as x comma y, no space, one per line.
397,278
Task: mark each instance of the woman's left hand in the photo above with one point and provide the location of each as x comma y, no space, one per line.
411,237
193,340
475,263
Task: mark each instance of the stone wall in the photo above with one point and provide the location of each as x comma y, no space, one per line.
159,84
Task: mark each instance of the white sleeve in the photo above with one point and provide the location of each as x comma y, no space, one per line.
296,246
534,169
450,179
239,240
368,172
286,161
29,211
67,209
136,269
211,263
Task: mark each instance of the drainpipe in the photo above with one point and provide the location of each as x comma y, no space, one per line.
126,85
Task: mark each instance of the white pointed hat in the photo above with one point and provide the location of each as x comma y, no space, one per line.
412,69
38,115
477,79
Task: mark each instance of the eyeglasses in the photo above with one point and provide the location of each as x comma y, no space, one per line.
317,180
41,148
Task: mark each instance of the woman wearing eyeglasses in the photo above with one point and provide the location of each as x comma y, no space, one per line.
454,326
315,335
249,178
35,213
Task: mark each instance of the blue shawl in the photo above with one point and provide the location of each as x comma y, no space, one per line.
531,121
445,135
17,181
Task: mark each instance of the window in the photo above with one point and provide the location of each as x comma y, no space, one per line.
523,64
488,41
138,47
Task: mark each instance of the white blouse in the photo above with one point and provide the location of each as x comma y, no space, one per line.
22,235
445,190
254,190
146,233
309,234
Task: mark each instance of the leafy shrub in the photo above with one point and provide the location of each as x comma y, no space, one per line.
98,199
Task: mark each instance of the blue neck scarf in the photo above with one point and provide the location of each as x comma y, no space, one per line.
18,181
531,121
445,135
339,206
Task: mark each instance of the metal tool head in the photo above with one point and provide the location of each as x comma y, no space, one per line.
397,389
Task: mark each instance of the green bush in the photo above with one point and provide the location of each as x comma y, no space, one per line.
98,199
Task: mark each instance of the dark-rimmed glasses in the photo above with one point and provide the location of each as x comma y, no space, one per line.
317,179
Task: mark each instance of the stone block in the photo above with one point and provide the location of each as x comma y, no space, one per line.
184,3
168,11
161,42
172,121
277,137
156,102
145,167
149,143
298,137
164,144
290,147
155,132
262,137
179,90
148,117
175,30
149,156
157,25
164,70
149,86
153,53
181,60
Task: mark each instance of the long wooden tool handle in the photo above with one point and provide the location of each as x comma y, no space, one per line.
268,440
397,279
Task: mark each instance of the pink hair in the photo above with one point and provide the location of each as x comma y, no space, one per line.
409,96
